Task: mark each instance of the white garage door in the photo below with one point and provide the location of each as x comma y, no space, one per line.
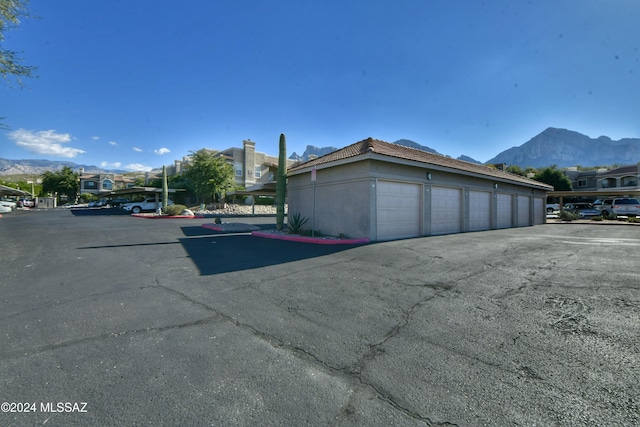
538,211
479,210
523,211
446,210
398,210
504,210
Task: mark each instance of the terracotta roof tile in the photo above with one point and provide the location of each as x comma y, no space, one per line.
371,145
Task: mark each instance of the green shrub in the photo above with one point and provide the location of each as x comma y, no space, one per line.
87,197
295,222
218,220
568,216
596,218
173,210
266,201
633,219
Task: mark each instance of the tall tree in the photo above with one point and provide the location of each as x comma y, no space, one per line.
281,182
553,176
209,175
10,61
65,181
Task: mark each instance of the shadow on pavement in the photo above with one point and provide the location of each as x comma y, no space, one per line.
223,253
98,211
218,252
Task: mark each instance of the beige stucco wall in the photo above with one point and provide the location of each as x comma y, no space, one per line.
345,195
342,199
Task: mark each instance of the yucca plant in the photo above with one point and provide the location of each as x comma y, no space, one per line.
295,222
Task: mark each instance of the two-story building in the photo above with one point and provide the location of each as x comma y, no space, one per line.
621,178
101,183
253,170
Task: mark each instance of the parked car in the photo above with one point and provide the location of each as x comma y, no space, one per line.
7,206
116,203
620,206
552,207
27,203
588,213
8,203
144,205
575,207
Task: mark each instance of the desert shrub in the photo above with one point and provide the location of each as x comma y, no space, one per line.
568,216
596,218
173,210
295,222
264,201
218,220
87,197
633,219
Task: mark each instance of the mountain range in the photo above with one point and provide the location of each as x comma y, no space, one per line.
553,146
565,148
39,166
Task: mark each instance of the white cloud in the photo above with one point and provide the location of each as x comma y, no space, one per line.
137,167
113,165
45,142
139,150
162,151
113,143
95,138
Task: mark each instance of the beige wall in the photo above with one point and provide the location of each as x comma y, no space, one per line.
345,195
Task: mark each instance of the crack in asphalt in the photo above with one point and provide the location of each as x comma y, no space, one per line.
69,343
309,356
66,301
353,373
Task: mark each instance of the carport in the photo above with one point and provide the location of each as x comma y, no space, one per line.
144,191
9,191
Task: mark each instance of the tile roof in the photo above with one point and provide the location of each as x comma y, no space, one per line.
374,146
633,169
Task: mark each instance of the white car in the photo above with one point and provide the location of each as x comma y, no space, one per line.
7,206
144,205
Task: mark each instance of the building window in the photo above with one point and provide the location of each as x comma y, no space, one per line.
629,181
608,183
270,176
257,172
238,168
107,184
90,185
582,183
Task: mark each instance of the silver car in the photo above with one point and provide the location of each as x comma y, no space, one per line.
622,206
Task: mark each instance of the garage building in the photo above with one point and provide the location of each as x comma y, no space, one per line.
382,191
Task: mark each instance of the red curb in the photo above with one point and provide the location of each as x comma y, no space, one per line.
212,227
166,216
303,239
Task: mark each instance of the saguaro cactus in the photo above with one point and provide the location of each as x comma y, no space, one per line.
281,182
165,189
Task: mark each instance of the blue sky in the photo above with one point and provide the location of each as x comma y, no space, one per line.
137,84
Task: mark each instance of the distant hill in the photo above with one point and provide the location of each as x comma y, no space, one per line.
406,142
313,150
413,144
39,166
565,148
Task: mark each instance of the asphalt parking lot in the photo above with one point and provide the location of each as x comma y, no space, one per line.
128,321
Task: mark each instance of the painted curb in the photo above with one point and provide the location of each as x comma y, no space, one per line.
166,216
212,227
303,239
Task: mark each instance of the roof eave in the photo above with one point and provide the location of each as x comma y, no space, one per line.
416,163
